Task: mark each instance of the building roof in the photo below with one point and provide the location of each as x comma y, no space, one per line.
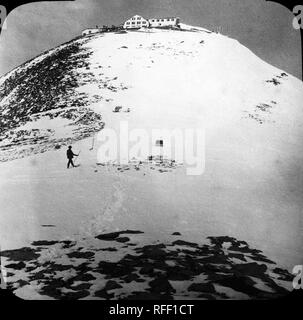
163,18
137,15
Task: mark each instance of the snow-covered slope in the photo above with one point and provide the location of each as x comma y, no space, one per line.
251,111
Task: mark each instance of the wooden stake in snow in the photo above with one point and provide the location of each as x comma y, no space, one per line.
159,144
93,142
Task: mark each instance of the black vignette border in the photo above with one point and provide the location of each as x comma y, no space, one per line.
10,5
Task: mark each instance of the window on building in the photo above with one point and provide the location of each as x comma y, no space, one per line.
133,22
162,19
158,20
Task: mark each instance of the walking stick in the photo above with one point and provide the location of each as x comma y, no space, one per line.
77,157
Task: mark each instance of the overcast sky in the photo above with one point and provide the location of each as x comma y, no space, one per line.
264,27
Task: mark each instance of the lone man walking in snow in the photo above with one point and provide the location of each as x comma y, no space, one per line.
70,155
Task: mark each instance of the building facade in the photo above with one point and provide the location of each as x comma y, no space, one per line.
164,22
135,22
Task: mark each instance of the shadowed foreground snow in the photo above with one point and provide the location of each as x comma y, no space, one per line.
130,265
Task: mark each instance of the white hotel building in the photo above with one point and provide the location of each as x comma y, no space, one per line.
138,22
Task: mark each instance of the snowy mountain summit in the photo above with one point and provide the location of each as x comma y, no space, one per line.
163,75
249,195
